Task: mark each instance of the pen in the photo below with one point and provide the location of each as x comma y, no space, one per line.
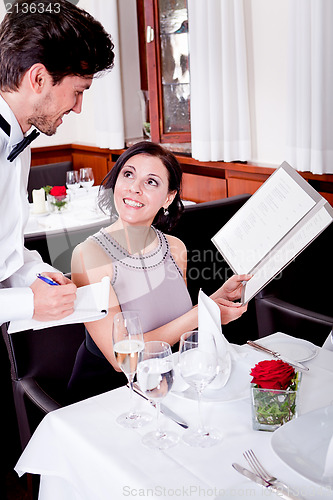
47,280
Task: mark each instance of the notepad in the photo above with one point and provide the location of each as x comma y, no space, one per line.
274,226
91,304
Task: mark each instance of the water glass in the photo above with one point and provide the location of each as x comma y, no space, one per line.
198,365
155,377
86,178
72,181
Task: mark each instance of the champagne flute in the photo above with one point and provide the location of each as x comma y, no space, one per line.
198,364
86,178
155,377
128,342
72,180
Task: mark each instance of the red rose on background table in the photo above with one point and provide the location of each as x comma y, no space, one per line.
272,374
58,191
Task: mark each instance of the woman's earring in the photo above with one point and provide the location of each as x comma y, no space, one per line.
165,211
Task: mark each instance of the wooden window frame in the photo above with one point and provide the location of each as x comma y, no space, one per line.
151,73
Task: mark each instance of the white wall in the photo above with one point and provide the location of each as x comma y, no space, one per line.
266,32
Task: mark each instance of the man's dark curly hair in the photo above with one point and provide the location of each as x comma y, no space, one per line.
65,39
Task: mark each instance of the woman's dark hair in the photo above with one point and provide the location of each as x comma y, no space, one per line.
63,37
175,209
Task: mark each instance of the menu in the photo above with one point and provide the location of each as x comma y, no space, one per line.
274,226
91,304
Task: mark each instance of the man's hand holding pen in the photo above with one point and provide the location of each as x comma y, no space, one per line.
53,302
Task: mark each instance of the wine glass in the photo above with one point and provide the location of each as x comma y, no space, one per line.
198,365
155,377
72,180
86,178
128,342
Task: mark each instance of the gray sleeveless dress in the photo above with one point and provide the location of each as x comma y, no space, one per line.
151,284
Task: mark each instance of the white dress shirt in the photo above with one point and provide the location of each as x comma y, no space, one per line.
328,344
18,266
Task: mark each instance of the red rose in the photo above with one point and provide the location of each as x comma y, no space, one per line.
272,374
58,191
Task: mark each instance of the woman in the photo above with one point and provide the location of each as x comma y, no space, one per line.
147,268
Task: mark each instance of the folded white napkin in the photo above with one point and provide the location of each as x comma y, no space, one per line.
209,322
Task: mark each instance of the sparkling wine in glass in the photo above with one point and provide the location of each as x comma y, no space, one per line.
86,178
72,181
155,378
198,365
128,342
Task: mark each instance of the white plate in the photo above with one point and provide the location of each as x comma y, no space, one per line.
40,214
292,348
237,387
303,443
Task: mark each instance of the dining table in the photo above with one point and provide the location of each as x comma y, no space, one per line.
82,212
82,453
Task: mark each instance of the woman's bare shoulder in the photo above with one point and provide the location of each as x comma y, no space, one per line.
178,251
87,249
175,243
89,258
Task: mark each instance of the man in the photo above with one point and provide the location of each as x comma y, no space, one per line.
328,344
49,54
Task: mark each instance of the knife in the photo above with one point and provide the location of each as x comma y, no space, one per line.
282,491
260,347
164,409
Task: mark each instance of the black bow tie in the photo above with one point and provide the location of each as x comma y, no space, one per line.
22,145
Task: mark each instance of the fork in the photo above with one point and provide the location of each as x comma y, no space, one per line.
259,469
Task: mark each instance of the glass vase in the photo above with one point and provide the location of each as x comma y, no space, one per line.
57,204
272,408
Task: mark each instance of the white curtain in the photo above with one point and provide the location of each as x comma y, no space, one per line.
220,118
107,90
310,86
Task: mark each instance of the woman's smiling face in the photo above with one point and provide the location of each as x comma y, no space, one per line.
141,189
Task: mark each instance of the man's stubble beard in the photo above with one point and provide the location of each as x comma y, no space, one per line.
43,125
39,120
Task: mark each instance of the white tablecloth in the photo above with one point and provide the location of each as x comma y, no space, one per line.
82,453
82,212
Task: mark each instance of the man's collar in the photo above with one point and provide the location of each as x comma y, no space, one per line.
16,134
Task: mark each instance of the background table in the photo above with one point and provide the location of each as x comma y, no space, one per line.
82,453
55,235
82,212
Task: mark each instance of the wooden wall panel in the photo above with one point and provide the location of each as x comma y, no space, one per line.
240,182
328,197
242,186
199,188
98,164
203,181
54,154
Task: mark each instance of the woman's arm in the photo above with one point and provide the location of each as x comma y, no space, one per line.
85,271
231,290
